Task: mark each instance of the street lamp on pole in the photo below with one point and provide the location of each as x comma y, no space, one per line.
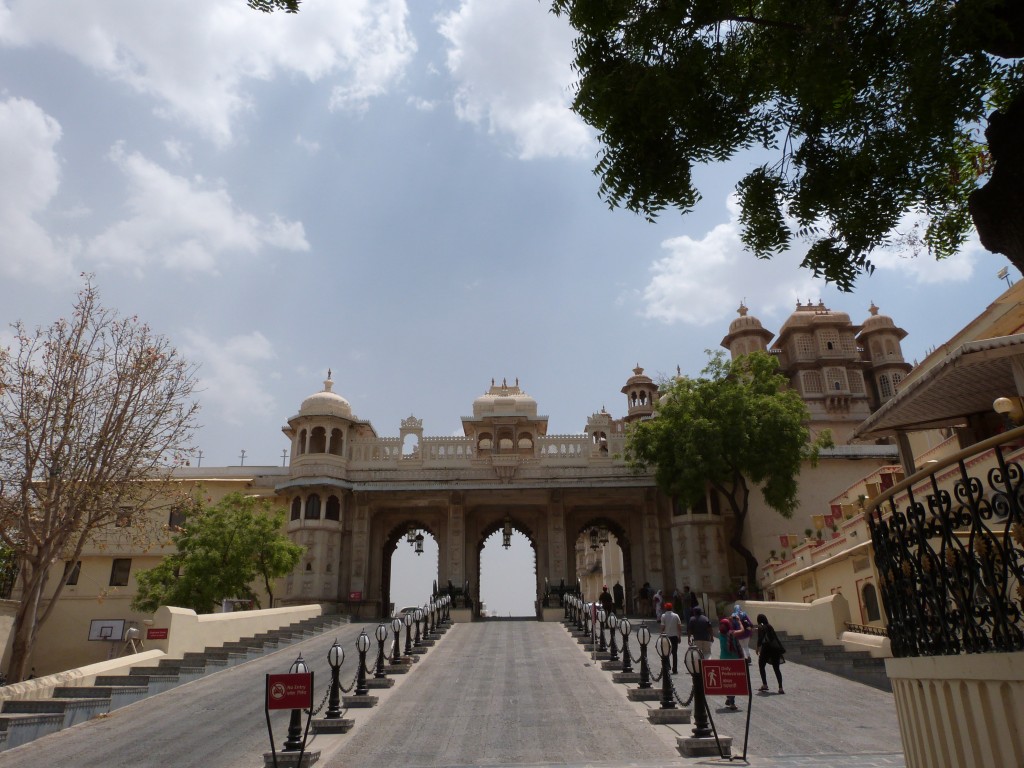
665,651
613,622
335,657
362,645
624,629
295,742
396,652
643,636
381,633
408,634
692,661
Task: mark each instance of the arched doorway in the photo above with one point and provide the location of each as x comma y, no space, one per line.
508,575
410,567
603,557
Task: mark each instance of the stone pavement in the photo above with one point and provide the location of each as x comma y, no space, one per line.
525,693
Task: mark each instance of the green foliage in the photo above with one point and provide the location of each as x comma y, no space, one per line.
871,107
738,423
221,551
269,6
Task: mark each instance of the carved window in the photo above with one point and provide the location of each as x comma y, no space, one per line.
829,340
296,508
890,348
884,386
485,441
313,507
836,379
318,440
856,382
337,442
812,383
525,441
804,346
333,508
897,377
302,442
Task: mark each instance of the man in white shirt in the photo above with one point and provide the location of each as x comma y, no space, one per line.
672,626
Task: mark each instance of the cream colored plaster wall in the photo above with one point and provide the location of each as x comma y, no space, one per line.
824,619
960,711
42,687
7,611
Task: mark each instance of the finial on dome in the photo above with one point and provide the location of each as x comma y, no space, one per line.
492,381
328,382
742,309
638,370
873,309
679,371
504,383
329,373
517,381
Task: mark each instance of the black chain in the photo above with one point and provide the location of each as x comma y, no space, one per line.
314,712
351,685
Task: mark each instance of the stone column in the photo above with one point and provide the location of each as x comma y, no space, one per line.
455,569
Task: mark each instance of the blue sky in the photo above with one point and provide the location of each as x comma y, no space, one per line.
395,190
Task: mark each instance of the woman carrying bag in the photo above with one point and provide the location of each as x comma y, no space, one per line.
769,651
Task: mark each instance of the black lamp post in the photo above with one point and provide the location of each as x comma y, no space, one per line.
431,613
408,634
624,628
613,622
601,647
362,645
580,624
417,618
396,651
381,633
295,742
335,657
665,651
692,661
643,636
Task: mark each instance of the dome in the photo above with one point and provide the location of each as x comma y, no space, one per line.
877,322
746,326
638,378
504,399
326,403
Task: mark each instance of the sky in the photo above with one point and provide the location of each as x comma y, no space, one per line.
394,190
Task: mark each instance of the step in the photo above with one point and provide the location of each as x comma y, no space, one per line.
74,710
119,695
23,728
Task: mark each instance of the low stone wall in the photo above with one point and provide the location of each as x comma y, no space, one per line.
960,711
824,619
42,687
189,631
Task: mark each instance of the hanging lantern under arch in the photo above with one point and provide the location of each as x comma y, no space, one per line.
602,536
419,543
506,533
594,545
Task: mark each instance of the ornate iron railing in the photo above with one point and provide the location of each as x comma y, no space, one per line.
866,629
949,550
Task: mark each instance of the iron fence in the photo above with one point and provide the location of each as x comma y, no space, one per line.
949,550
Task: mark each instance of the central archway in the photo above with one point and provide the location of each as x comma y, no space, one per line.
508,577
408,578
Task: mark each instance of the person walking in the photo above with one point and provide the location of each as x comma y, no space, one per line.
742,629
727,649
770,651
658,600
672,626
699,632
620,598
606,601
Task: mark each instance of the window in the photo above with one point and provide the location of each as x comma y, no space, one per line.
119,571
296,508
176,519
313,507
870,598
884,387
333,508
124,517
73,572
813,383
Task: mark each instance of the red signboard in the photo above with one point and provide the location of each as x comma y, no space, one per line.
357,596
290,691
157,633
725,677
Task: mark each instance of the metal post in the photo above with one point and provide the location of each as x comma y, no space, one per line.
335,657
624,629
601,647
665,651
417,618
408,634
692,660
396,651
643,636
613,622
295,742
363,645
381,633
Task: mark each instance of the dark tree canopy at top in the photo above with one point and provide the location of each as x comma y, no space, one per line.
873,109
269,6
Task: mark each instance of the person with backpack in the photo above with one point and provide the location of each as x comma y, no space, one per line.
741,630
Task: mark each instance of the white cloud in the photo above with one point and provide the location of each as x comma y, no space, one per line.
29,179
184,224
422,105
311,147
195,58
701,281
512,62
230,375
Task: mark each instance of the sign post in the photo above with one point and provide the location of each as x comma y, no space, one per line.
729,677
294,691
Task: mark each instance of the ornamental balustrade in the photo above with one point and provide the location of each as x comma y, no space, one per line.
949,551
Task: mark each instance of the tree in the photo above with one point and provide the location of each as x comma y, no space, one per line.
269,6
221,551
872,109
739,423
92,411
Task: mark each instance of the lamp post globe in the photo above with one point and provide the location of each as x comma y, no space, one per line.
624,630
335,658
643,636
363,645
295,742
408,633
665,651
601,618
381,633
613,622
396,651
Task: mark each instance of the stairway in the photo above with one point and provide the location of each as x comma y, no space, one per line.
858,666
23,721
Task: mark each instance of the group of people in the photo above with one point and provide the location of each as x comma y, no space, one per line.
734,633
